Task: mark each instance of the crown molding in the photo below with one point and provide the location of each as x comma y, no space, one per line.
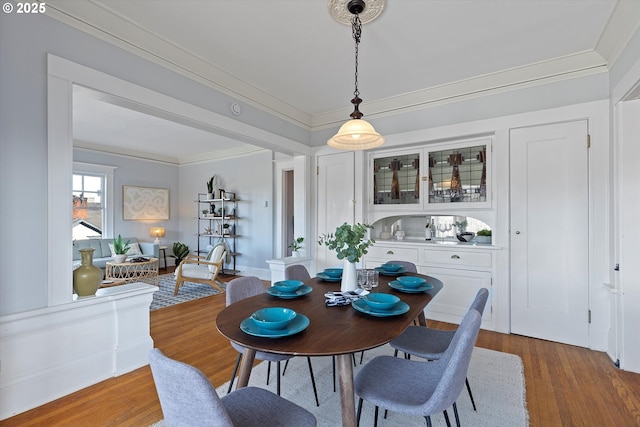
98,20
545,72
624,23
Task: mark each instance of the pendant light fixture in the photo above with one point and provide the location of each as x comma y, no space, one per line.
356,134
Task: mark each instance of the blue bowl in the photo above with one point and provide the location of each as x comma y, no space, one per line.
391,267
380,301
288,285
273,317
411,281
333,272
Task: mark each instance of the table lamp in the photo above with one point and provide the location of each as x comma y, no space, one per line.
157,232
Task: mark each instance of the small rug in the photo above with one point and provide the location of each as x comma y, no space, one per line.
188,291
496,379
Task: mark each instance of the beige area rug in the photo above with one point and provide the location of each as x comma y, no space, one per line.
496,379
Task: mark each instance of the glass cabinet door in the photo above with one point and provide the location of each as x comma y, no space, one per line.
396,179
458,175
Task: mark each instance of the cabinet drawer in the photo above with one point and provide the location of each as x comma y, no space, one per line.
471,259
391,253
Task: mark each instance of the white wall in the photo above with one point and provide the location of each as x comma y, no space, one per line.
251,178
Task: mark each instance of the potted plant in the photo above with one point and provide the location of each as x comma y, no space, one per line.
483,236
180,252
296,245
350,244
120,249
210,186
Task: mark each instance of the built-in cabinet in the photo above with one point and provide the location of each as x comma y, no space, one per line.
437,176
218,223
462,268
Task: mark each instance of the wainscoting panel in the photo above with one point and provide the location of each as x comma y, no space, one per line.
51,352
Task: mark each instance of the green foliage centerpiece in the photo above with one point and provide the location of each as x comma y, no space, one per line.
350,244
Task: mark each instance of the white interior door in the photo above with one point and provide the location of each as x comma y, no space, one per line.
336,195
549,232
629,227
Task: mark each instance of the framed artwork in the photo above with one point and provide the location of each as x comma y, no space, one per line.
140,203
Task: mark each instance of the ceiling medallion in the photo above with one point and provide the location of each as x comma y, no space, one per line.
340,12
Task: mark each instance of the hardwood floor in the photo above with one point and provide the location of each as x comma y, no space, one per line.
566,385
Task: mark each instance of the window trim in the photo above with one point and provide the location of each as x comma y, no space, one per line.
109,198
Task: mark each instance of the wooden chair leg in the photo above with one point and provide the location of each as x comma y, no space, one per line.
179,283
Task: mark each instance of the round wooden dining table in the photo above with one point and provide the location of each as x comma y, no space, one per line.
333,331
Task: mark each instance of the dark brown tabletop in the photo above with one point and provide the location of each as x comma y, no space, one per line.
332,331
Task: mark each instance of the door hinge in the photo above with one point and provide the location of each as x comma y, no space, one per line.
588,141
589,316
317,170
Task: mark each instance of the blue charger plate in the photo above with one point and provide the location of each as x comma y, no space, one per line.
390,273
327,278
299,324
402,288
398,309
302,290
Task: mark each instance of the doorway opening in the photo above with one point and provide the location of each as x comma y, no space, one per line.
287,210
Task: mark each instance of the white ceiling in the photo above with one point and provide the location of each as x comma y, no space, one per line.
292,59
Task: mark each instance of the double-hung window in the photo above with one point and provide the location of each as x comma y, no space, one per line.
92,201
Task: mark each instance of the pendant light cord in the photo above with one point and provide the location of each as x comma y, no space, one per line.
356,28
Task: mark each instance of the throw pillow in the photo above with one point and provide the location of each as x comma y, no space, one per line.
134,249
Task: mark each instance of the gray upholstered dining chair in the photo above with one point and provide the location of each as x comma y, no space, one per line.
296,272
409,266
430,343
245,287
187,398
420,388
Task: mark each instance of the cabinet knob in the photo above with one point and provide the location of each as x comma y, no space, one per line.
518,232
424,178
455,257
389,252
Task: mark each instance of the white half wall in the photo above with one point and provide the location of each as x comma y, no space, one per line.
51,352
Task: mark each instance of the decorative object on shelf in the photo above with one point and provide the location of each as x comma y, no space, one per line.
427,231
461,226
443,229
157,232
385,233
86,278
395,166
180,252
120,249
483,236
482,156
432,163
350,245
416,188
455,190
356,134
296,245
212,185
207,231
139,203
